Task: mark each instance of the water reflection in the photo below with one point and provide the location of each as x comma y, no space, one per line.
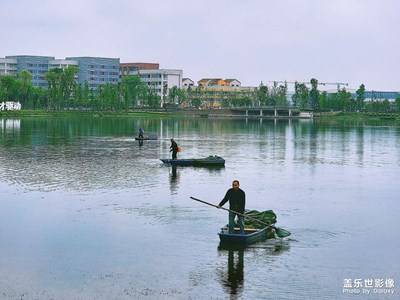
174,180
232,277
311,174
86,154
174,174
232,280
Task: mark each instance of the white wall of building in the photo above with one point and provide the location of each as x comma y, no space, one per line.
8,66
62,63
159,79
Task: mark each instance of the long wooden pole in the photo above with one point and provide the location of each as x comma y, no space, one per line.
232,211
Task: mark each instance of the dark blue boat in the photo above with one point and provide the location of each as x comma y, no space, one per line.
147,138
197,162
250,236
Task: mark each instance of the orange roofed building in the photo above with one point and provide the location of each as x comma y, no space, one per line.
212,82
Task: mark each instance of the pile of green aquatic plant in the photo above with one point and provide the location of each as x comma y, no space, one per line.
258,219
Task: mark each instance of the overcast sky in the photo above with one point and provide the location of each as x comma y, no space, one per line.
254,41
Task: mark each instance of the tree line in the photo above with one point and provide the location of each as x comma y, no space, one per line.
64,92
342,100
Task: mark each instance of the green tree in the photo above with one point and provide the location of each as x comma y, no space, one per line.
397,103
39,98
324,103
67,83
77,95
109,97
195,99
262,94
200,96
360,97
281,95
131,90
342,101
246,101
173,95
87,96
153,100
61,84
349,104
385,106
10,88
53,78
300,96
314,94
188,95
372,106
25,87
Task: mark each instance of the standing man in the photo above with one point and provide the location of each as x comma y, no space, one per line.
237,202
173,148
141,133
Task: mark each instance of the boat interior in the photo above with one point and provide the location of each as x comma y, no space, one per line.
237,230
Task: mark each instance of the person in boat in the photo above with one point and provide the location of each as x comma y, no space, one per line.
141,133
237,202
173,149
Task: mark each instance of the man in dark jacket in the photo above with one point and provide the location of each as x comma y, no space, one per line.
237,202
173,148
141,133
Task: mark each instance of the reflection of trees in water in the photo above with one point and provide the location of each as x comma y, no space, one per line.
174,174
83,164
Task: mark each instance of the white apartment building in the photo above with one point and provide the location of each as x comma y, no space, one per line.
160,80
8,66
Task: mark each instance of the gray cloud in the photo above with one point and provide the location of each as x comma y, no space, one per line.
350,41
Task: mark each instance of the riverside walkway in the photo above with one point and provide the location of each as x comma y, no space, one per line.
260,112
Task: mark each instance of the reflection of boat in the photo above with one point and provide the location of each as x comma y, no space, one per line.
197,162
147,138
250,236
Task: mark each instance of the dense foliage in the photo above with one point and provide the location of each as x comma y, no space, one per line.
64,92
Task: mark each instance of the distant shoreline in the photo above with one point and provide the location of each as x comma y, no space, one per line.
345,116
82,113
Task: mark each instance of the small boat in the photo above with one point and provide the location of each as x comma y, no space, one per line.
147,138
196,162
250,236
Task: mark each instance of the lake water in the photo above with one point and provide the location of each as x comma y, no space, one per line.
88,213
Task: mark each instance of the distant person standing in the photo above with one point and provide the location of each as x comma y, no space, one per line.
173,148
141,133
237,202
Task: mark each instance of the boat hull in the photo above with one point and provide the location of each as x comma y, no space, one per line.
148,138
202,162
251,236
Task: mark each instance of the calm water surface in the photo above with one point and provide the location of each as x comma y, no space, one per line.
88,213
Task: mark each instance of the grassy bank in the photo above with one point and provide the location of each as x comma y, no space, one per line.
348,119
358,116
82,113
318,116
